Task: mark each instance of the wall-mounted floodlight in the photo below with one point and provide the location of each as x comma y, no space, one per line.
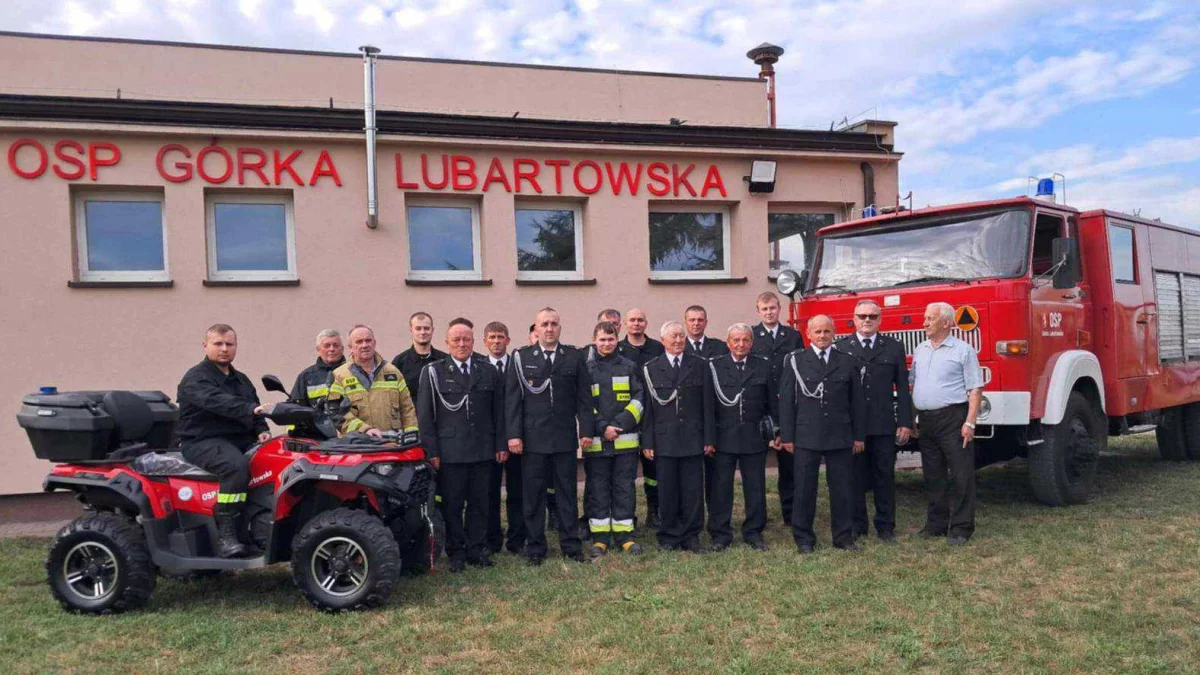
762,176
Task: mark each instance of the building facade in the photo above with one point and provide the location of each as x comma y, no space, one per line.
153,189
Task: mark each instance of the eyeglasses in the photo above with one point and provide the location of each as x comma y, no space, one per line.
868,317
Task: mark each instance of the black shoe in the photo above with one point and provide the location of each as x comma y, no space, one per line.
852,547
694,546
457,566
515,549
652,521
598,549
757,544
577,556
719,546
958,540
927,533
481,561
804,549
860,534
535,560
228,545
886,536
632,548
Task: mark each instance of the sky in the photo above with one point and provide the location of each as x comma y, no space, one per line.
987,93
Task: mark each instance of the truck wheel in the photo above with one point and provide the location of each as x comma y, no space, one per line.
414,554
99,564
345,559
1191,430
1063,466
1172,441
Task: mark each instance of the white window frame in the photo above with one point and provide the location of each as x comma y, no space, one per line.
574,207
696,207
836,210
86,274
210,217
476,250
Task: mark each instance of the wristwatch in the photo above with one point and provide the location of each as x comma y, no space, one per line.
969,425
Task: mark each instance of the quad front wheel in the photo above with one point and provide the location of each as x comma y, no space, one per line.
345,559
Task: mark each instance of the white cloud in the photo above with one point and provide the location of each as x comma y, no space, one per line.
318,11
409,18
370,15
251,9
1080,162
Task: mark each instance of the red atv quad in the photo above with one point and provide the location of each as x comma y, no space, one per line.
347,513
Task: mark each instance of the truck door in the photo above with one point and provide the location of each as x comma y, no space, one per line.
1057,312
1134,328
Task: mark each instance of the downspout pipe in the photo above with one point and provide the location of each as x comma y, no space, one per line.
369,54
765,56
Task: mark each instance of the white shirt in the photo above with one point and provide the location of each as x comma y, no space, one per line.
501,362
697,344
862,338
817,350
675,359
942,377
773,332
462,366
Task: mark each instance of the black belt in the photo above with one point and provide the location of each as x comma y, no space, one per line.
951,407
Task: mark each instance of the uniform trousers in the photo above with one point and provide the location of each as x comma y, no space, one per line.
464,488
681,499
510,473
875,471
949,470
650,484
539,470
610,496
223,458
787,483
839,475
754,495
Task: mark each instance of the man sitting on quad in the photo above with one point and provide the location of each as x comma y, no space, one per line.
369,394
219,418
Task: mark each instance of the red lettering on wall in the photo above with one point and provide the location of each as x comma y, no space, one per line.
445,173
43,159
184,167
682,179
530,174
244,164
60,149
95,161
558,165
712,179
623,176
495,174
463,171
325,168
223,154
587,163
280,166
400,184
659,184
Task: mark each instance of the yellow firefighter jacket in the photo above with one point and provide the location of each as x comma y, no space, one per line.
386,405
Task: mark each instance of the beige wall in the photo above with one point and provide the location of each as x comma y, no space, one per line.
67,67
145,338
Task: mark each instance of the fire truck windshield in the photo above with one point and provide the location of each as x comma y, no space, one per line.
948,248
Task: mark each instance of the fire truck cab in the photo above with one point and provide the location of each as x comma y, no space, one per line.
1087,324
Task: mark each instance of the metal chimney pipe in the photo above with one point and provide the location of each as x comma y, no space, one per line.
369,54
765,56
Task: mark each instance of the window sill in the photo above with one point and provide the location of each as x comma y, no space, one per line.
556,282
698,280
215,283
447,282
120,284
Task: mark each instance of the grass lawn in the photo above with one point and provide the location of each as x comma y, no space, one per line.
1109,587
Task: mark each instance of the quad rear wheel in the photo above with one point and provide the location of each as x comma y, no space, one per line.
99,564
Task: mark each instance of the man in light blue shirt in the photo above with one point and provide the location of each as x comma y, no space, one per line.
947,389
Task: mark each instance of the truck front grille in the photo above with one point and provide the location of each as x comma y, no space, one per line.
911,338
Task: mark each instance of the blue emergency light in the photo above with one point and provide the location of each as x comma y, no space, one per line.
1045,187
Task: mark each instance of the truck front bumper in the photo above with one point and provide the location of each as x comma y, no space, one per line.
1004,408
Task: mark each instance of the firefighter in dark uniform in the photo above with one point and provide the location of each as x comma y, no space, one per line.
695,319
508,473
547,401
610,497
460,413
420,354
678,432
889,418
312,384
640,348
823,416
773,341
219,419
746,402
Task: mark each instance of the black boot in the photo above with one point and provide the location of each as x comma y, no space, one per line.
228,545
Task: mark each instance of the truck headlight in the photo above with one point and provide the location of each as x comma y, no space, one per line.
985,407
788,282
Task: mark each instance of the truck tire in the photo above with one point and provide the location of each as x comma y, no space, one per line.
1063,467
1191,431
1172,443
99,564
345,559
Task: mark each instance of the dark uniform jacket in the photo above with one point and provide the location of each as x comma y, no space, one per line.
410,364
683,426
475,431
738,425
885,371
786,341
617,400
709,347
835,420
312,384
215,405
640,355
549,421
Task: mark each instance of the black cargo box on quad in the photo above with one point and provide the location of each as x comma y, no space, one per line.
73,426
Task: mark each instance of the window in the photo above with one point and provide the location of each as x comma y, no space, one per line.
1120,244
250,237
121,236
686,243
791,237
443,240
1046,230
549,241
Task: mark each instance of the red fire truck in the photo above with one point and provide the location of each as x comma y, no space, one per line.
1087,324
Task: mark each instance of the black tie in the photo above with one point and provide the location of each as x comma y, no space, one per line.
675,363
550,355
463,368
825,356
867,344
741,366
500,367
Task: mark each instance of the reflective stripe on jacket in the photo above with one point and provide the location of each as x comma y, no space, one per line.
617,400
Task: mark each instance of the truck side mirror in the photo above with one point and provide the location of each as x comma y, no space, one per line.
1066,255
272,383
803,280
